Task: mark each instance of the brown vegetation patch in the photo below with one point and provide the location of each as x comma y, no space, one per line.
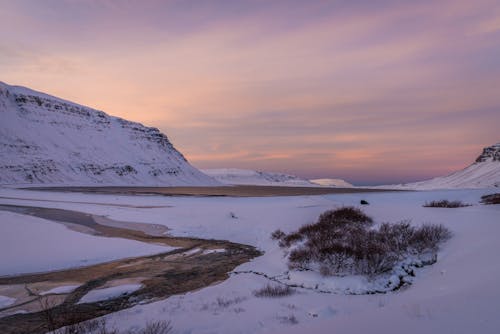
445,204
343,242
233,191
491,199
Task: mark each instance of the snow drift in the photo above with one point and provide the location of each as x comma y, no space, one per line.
47,140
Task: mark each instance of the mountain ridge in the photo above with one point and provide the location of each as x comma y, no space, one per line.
235,176
484,172
51,141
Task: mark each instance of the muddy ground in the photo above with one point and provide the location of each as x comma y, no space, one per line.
233,191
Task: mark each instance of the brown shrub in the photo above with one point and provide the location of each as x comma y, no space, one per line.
491,199
344,215
278,235
340,247
274,291
445,204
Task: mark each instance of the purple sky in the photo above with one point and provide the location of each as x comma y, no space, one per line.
369,91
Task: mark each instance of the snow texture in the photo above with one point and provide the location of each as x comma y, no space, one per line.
458,294
6,301
338,183
109,293
60,290
29,244
50,141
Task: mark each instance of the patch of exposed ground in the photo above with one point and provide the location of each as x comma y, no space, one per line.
233,191
195,264
92,203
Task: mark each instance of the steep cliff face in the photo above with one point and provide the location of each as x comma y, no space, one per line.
491,153
47,140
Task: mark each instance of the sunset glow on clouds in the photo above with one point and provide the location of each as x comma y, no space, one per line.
369,91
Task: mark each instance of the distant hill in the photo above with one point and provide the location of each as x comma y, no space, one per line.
338,183
251,177
483,173
50,141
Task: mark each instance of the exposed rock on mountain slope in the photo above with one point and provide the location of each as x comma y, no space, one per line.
491,153
483,173
251,177
47,140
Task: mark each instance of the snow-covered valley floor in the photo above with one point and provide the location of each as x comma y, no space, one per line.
458,294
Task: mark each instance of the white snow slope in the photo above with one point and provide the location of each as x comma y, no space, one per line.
47,140
236,176
332,183
483,173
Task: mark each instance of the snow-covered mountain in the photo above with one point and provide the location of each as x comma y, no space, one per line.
483,173
337,183
251,177
47,140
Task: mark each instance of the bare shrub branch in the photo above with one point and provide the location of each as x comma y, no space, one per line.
157,327
445,204
274,291
343,242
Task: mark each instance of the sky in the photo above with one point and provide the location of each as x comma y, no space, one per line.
369,91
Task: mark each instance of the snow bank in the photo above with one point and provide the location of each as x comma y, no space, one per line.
339,183
6,301
98,295
61,290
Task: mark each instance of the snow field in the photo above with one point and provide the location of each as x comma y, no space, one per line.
29,244
97,295
458,294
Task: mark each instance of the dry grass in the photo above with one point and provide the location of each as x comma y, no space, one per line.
157,327
88,327
224,303
274,291
99,326
445,204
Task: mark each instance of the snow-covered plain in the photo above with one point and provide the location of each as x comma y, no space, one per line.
30,244
458,294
